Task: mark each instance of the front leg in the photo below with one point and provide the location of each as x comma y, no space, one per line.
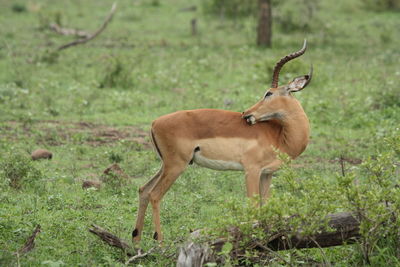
253,182
265,183
266,179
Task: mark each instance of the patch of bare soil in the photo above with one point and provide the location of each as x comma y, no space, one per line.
52,132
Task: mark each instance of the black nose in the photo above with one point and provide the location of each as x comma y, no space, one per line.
246,117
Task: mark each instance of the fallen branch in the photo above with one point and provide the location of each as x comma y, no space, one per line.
30,243
117,242
109,238
345,226
65,31
93,35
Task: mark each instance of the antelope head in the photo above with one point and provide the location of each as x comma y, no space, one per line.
277,102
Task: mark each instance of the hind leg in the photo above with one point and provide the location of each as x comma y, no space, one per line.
143,203
169,175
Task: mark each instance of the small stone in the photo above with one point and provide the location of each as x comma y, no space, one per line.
91,183
41,154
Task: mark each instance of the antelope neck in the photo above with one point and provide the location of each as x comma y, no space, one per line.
295,133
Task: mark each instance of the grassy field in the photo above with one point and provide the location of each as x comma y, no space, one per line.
92,105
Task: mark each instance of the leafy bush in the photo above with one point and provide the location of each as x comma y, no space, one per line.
230,8
117,73
371,192
300,206
288,15
381,5
295,15
18,169
46,17
115,157
18,8
49,57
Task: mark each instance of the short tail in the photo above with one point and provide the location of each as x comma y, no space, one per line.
153,141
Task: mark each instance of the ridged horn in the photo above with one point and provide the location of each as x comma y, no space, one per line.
309,76
284,60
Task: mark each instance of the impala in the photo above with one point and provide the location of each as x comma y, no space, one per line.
227,140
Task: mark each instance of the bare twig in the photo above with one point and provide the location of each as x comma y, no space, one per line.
342,165
193,24
322,251
30,243
93,35
139,255
274,253
66,31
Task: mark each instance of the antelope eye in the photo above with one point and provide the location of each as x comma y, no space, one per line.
267,94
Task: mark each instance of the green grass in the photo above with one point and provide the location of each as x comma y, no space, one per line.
146,64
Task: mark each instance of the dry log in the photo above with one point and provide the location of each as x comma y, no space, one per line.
345,230
30,243
93,35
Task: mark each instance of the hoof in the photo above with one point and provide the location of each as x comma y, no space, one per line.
135,233
155,236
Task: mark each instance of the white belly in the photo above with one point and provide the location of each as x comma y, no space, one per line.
216,164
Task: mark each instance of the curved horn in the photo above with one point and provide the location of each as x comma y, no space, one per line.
284,60
309,76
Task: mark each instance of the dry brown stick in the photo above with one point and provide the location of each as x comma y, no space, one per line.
66,31
30,243
274,253
139,255
341,160
109,238
327,263
117,242
93,35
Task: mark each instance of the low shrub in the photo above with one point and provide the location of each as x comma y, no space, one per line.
117,73
18,170
230,8
18,8
381,5
370,191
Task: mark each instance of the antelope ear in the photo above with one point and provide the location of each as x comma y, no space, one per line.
299,83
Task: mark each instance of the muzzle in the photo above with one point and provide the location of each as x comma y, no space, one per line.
250,119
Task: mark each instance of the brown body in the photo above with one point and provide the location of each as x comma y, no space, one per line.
225,135
226,140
